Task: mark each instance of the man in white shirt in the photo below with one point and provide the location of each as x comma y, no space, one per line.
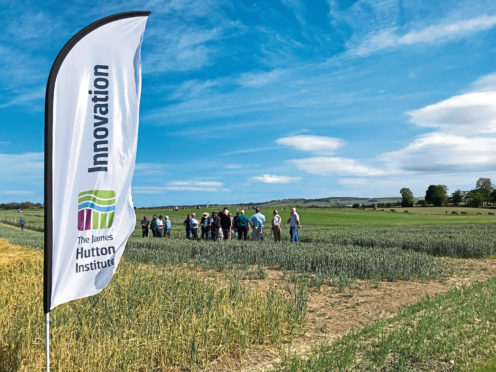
160,227
294,225
193,222
276,226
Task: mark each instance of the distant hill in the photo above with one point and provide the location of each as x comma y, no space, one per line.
330,202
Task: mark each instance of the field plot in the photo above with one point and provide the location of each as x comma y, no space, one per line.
339,300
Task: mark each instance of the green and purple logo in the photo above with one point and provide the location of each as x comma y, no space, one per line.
96,209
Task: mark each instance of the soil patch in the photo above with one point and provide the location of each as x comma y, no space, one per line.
331,313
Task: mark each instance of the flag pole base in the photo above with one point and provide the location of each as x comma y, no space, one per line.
47,343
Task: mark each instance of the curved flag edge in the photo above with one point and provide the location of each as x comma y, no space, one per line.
48,223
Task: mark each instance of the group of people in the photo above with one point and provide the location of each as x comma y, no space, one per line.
158,225
224,226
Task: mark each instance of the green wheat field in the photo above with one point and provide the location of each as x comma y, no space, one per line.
408,289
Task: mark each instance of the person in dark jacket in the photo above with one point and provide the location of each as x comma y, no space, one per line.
205,226
243,226
153,225
215,226
144,227
187,224
225,222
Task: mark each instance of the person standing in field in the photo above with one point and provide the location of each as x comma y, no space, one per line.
160,227
225,222
231,229
167,227
187,224
22,222
153,225
236,225
210,226
243,223
276,226
144,227
257,223
194,226
215,226
205,225
294,225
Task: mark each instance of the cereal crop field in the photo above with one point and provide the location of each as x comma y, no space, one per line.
365,290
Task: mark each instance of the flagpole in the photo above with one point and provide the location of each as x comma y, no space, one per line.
47,343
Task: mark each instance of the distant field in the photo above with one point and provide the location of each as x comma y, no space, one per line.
309,216
351,217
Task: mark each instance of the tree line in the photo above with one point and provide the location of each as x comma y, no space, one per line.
437,195
24,205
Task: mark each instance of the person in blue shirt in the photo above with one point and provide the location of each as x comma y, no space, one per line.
167,227
21,221
257,223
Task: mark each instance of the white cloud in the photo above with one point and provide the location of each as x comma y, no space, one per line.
473,112
485,82
440,152
325,145
270,178
435,34
417,182
331,166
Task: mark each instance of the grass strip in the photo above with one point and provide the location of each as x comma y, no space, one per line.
452,331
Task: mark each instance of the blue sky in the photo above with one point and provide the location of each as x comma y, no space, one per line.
260,100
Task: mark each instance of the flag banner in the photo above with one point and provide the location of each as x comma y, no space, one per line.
91,131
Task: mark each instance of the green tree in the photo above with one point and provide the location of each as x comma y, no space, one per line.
484,187
437,195
406,197
474,198
456,197
493,196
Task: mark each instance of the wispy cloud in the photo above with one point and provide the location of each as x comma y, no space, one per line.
27,98
434,34
18,192
259,79
149,169
190,185
16,167
271,178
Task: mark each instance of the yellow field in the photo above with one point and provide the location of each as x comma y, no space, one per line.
148,317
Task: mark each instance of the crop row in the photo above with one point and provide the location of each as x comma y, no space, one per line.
326,260
463,241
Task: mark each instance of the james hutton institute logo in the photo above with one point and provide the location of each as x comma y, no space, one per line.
96,209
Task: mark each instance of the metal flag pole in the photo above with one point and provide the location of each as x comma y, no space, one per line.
47,343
